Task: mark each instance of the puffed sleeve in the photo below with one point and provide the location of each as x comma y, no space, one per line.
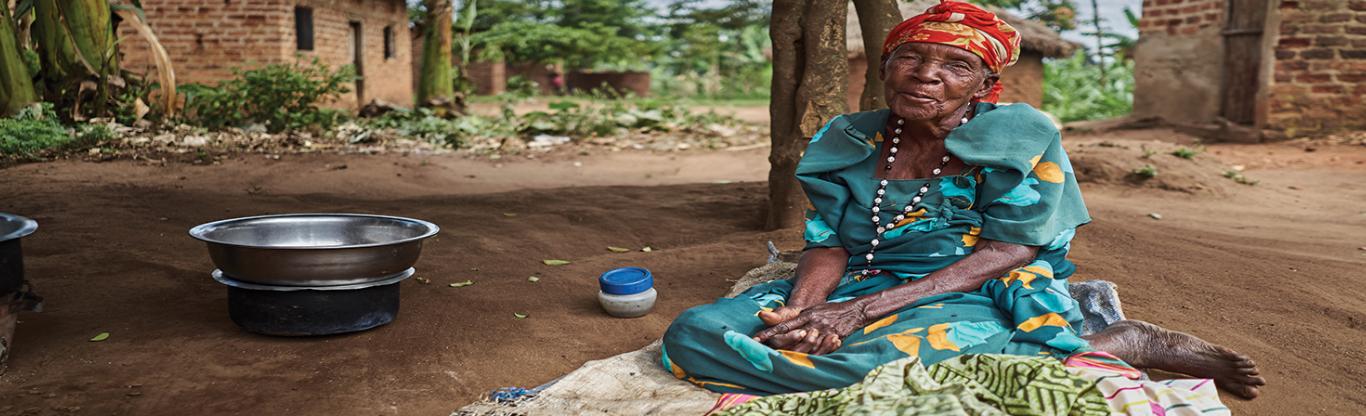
1028,191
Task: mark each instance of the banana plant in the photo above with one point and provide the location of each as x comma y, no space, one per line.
77,49
16,82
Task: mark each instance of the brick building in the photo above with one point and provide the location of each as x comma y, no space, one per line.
206,39
1023,82
1282,67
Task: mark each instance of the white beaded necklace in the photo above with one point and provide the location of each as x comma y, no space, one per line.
882,191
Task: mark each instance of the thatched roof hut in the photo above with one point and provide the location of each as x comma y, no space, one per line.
1023,81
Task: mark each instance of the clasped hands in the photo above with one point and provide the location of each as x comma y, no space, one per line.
818,329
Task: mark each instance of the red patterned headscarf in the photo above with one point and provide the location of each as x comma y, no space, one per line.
965,26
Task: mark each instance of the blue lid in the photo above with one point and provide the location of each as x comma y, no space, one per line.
626,281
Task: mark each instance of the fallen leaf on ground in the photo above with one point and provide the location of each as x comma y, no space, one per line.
462,284
1155,216
509,214
533,279
422,280
101,337
647,249
554,262
519,315
617,249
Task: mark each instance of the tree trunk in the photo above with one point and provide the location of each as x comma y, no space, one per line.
436,84
809,76
875,19
16,83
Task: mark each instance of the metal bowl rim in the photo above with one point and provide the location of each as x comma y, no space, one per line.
199,230
27,226
220,277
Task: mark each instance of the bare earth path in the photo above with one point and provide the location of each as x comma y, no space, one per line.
1271,271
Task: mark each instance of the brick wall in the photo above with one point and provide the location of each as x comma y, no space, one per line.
1184,17
206,39
1319,74
385,79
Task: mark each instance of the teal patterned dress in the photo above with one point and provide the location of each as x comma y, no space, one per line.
1019,189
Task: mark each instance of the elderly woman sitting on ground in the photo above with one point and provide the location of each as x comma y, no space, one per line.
937,228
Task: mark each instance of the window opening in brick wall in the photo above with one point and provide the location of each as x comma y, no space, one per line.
389,48
303,27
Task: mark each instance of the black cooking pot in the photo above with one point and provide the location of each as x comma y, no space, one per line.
13,228
312,311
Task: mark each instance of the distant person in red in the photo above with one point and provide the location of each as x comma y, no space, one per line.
556,79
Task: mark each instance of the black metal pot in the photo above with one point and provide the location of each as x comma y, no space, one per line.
12,229
312,311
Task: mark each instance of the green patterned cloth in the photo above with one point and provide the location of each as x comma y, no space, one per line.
1020,188
967,385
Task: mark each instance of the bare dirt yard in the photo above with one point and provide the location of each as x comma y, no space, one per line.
1274,270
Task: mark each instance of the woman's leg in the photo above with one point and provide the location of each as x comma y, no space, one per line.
1145,345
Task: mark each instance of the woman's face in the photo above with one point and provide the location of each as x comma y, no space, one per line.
928,81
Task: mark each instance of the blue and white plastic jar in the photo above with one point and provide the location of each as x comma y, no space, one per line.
627,292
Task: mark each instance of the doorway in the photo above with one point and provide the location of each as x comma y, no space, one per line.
358,60
1243,59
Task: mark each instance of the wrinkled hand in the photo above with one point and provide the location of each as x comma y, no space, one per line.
816,330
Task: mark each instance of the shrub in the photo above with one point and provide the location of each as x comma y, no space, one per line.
520,87
33,129
1073,91
279,96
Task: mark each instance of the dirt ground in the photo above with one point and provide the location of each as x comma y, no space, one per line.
1273,270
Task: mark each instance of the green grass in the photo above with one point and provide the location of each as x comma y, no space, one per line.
1146,172
33,129
1185,153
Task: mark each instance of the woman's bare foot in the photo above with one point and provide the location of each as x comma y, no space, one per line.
1145,345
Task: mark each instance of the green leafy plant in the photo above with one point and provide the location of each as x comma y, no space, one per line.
1146,172
94,134
279,96
521,88
1073,92
32,129
1185,152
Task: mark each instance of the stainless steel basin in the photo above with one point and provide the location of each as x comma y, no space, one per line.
314,249
13,227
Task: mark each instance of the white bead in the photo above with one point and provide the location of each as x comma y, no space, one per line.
876,219
936,172
891,159
896,140
965,121
869,257
877,201
893,150
924,189
898,130
881,192
876,209
874,242
881,230
900,121
884,182
915,200
946,158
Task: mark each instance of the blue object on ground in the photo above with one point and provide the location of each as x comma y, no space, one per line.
626,281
